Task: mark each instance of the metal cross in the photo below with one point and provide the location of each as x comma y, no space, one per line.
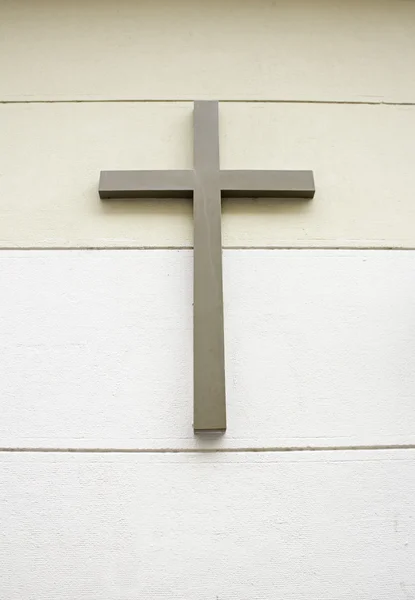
207,184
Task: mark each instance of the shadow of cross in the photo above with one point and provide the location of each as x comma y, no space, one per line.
207,184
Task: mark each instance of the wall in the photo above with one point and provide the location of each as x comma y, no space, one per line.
105,493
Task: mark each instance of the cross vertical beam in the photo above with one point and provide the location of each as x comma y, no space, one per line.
208,331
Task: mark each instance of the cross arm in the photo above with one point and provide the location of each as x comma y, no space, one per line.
267,184
146,184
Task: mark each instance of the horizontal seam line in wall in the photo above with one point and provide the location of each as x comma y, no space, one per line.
282,247
208,450
149,101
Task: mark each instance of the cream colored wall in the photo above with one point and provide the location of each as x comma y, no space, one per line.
104,492
330,50
362,157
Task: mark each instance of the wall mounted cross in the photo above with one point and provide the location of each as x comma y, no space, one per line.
206,184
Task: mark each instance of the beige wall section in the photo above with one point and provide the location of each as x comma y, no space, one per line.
362,156
363,50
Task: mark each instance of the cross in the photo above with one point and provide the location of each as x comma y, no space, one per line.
206,184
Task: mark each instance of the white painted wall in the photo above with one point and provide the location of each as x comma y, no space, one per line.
97,348
105,494
295,526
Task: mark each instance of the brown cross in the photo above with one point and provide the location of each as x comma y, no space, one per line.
207,184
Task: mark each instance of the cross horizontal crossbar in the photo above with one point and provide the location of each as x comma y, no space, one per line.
181,184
